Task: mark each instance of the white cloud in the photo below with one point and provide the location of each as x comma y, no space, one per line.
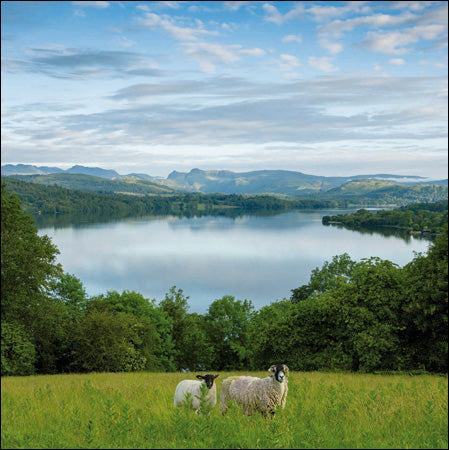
288,62
396,42
167,24
252,52
79,13
276,17
396,61
324,64
209,54
322,13
98,4
332,47
413,6
234,6
172,5
373,21
292,38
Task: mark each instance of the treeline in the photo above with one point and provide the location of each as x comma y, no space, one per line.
394,194
40,199
415,217
362,316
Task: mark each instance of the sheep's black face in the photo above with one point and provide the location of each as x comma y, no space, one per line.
279,372
208,379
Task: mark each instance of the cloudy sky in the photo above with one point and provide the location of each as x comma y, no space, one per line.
325,88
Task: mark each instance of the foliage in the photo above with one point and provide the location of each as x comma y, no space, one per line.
377,192
415,217
154,328
365,316
192,348
331,275
371,315
40,199
269,335
18,353
28,262
227,322
70,290
105,343
426,288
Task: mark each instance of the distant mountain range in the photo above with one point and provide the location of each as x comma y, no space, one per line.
281,182
25,169
270,181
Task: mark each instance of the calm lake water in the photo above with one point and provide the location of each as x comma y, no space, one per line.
258,258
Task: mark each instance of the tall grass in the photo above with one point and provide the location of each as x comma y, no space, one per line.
324,410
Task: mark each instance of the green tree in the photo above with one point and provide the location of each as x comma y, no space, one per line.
196,352
103,342
18,353
352,318
28,272
27,263
269,336
155,341
227,325
427,293
70,291
331,275
372,304
315,334
176,305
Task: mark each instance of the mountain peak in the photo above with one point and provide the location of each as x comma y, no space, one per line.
95,171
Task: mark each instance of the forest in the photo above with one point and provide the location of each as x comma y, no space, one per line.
415,217
40,199
362,316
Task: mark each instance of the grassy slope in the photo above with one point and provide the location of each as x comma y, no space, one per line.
136,411
91,183
378,191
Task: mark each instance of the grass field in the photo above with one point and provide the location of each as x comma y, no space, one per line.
135,410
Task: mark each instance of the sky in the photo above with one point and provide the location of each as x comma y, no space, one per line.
330,88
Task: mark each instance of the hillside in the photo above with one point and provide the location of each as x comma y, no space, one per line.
26,169
39,199
359,189
89,183
262,181
382,192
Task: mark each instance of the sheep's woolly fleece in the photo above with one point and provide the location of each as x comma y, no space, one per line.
254,394
193,387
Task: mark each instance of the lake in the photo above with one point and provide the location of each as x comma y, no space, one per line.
259,258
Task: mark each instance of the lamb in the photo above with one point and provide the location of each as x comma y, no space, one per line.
257,394
190,390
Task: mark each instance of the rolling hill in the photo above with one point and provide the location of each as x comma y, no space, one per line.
386,192
90,183
359,189
263,181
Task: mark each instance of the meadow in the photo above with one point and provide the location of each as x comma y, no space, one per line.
135,410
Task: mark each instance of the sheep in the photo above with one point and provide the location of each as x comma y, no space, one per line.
257,394
191,391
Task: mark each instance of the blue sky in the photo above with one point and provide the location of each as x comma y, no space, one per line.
325,88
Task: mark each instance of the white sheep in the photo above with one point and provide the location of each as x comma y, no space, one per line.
191,390
256,394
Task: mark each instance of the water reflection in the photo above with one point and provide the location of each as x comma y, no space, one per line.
86,220
250,257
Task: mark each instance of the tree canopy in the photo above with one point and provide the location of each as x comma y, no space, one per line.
366,315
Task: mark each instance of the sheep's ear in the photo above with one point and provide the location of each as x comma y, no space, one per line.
272,369
200,377
216,375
